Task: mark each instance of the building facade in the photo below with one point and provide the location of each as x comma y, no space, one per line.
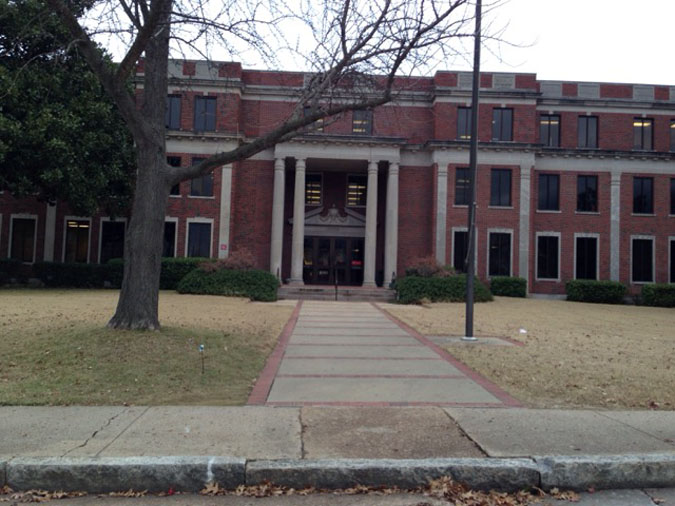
576,180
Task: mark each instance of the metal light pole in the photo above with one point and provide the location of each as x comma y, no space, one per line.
471,234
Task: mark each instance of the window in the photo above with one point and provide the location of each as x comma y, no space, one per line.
642,133
547,256
549,192
22,242
643,195
587,258
317,126
313,189
112,240
588,132
199,240
362,122
643,264
500,187
672,196
174,161
173,112
549,130
357,189
77,241
502,124
169,245
587,194
499,254
464,123
205,114
462,195
201,186
672,134
460,248
672,260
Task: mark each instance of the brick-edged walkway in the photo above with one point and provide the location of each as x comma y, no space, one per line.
354,353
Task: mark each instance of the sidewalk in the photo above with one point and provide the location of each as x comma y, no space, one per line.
114,448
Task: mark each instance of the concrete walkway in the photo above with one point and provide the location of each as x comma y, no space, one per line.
356,354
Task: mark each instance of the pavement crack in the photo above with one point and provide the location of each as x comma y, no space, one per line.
663,440
93,435
303,427
123,431
464,433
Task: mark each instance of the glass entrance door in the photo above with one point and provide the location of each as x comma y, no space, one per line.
328,257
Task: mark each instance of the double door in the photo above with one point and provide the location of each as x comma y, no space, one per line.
328,259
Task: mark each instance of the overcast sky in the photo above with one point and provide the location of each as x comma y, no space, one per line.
589,40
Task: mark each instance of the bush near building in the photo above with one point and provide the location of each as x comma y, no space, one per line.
214,279
660,294
603,292
415,289
508,286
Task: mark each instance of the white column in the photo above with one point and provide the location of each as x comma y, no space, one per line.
391,225
50,232
371,226
277,217
524,225
225,211
441,212
615,228
298,223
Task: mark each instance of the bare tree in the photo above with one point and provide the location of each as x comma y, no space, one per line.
359,49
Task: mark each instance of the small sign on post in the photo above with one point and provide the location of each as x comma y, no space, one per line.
201,354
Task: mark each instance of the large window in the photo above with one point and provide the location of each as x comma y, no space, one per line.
317,126
499,254
357,190
173,112
549,192
174,161
672,260
462,195
112,240
205,114
22,242
500,187
464,123
502,124
362,122
77,241
643,195
587,127
642,251
547,256
199,240
672,196
313,189
549,130
169,244
460,247
642,133
586,249
201,186
587,194
672,134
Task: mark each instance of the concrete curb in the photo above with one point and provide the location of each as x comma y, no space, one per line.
485,474
605,472
191,474
110,474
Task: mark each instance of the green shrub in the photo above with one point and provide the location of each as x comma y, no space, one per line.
254,284
114,272
428,267
661,294
70,275
10,268
586,290
173,270
413,289
508,286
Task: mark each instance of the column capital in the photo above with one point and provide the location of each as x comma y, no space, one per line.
393,168
300,163
443,169
279,163
372,167
616,179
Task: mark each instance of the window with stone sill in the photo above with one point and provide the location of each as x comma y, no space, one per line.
357,190
643,129
313,189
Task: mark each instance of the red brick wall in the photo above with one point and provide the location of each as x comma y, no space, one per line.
415,229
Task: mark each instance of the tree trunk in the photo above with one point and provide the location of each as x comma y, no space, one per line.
137,307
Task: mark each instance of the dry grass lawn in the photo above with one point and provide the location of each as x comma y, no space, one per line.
575,354
55,349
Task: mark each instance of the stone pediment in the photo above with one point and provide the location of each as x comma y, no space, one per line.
334,223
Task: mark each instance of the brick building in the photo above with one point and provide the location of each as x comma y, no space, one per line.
575,180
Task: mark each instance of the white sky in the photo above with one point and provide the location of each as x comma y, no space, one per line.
588,40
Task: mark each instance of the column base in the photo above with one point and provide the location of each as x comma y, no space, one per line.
296,282
369,284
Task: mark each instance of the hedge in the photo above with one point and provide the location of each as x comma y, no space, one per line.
508,286
10,268
254,284
605,292
660,294
413,289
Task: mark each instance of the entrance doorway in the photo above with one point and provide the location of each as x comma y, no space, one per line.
326,257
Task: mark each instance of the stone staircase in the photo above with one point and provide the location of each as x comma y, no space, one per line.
344,293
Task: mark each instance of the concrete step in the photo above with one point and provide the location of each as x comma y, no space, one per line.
344,293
